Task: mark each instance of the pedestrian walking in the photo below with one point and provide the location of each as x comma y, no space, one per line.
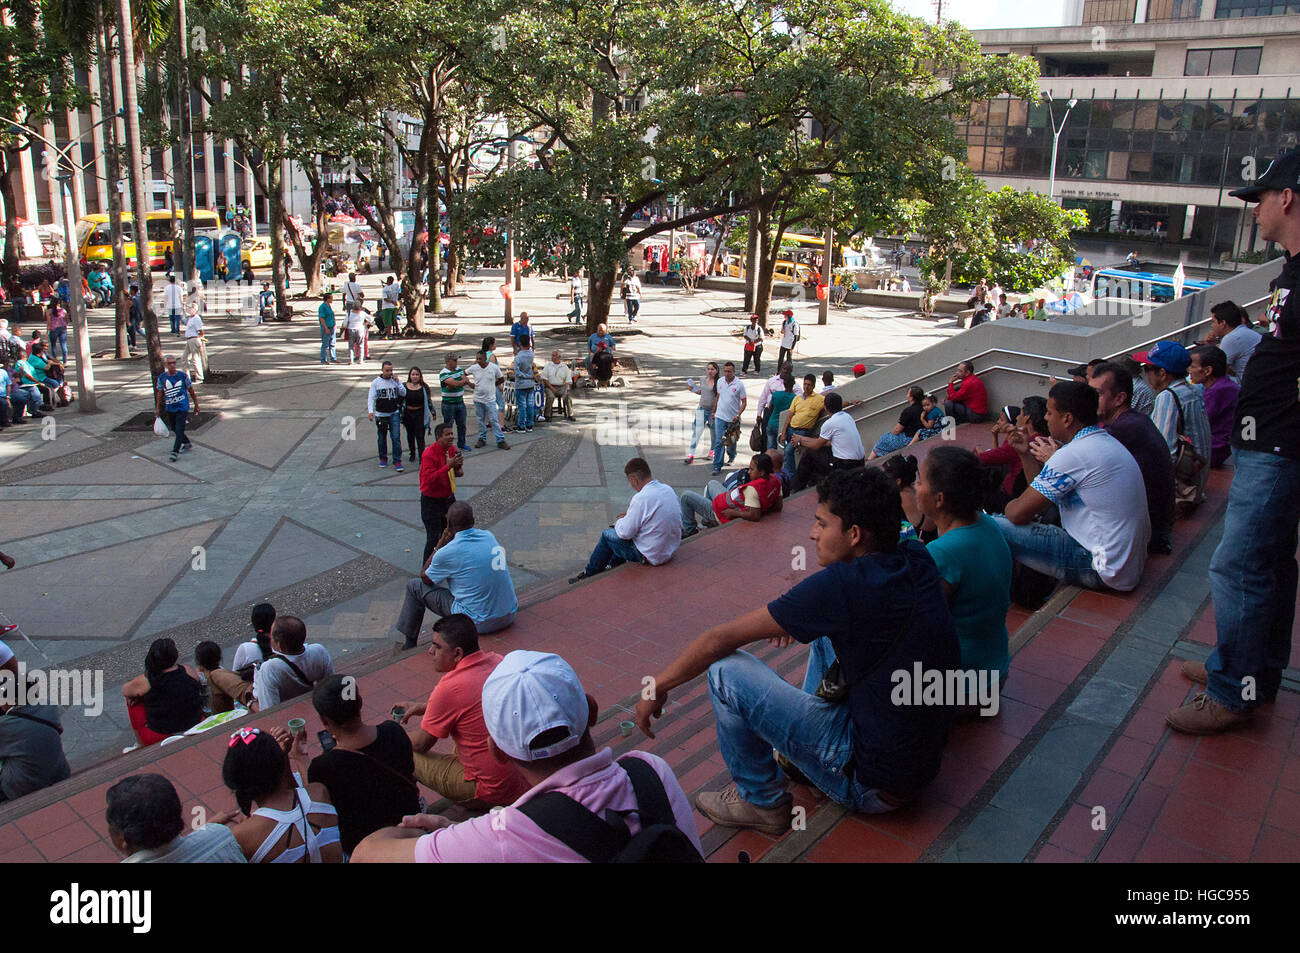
632,296
753,335
575,297
173,302
174,398
196,349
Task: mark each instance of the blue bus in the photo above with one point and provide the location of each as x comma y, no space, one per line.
1120,284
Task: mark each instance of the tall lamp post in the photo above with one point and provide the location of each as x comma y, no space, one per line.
1056,137
66,167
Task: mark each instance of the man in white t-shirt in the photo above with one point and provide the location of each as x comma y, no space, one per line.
294,669
355,323
727,408
838,445
353,296
196,349
575,297
649,532
174,304
1097,486
484,379
631,297
557,378
789,338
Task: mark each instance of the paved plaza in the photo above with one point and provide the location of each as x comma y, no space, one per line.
282,499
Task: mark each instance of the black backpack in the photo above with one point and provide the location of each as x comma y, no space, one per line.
607,840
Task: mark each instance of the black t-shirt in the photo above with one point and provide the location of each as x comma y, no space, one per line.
366,795
1268,412
862,605
911,419
1143,440
415,400
174,702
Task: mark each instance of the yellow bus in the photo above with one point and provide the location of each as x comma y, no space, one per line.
799,252
95,242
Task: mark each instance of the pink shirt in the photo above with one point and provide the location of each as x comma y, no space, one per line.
507,835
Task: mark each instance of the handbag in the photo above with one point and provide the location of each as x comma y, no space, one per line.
835,687
758,438
1187,462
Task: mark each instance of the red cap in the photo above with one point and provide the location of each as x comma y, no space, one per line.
859,370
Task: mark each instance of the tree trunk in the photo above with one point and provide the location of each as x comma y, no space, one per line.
139,206
455,229
112,160
310,262
185,167
752,251
434,227
717,251
11,161
275,212
766,265
600,290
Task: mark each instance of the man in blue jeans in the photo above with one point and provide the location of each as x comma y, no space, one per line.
877,606
525,384
649,532
174,400
1253,572
384,405
1098,488
727,408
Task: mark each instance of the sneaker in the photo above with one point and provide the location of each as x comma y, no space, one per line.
540,419
579,577
571,418
383,464
528,430
727,808
482,442
502,445
399,468
710,454
6,629
173,455
187,447
690,458
1204,716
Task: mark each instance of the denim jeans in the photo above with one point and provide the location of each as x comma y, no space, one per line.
487,414
719,431
960,412
175,317
788,467
524,403
28,397
456,413
576,313
326,345
178,426
1253,578
611,551
758,710
59,343
390,428
703,420
1050,550
697,506
421,597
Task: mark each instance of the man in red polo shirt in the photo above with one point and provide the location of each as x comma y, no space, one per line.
760,493
476,776
968,401
439,467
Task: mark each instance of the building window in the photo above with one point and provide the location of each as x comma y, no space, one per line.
1231,9
1173,10
1109,11
1223,61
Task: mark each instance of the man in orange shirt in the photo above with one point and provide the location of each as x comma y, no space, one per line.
477,776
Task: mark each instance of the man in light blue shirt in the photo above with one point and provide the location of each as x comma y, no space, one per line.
466,573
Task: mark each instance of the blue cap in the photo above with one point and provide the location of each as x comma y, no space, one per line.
1169,355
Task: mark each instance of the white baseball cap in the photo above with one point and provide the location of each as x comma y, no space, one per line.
530,693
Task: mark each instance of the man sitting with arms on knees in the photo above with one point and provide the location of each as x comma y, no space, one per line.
1096,484
649,532
879,605
477,776
466,573
760,492
839,447
538,716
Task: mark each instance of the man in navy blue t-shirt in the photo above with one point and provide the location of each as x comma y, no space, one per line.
174,398
878,607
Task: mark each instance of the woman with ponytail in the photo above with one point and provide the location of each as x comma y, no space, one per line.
166,699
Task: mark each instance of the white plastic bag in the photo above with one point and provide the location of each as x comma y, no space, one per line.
160,428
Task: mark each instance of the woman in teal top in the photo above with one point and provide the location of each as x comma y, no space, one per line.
780,403
972,557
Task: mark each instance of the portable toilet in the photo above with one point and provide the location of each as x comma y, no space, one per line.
204,260
230,247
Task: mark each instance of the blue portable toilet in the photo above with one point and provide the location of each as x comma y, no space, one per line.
230,247
204,260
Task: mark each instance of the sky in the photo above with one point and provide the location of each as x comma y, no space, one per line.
990,14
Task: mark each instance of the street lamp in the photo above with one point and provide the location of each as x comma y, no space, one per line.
1056,137
85,373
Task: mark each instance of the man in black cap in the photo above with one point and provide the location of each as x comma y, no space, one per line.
1253,573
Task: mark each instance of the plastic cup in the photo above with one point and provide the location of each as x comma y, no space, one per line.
297,726
627,728
398,712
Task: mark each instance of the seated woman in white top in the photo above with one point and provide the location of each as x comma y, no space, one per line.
291,824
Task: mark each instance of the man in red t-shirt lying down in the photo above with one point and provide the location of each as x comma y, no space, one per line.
749,500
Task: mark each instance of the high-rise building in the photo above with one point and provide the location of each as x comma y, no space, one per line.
1176,102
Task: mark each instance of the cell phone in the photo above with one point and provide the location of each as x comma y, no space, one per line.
1012,412
326,740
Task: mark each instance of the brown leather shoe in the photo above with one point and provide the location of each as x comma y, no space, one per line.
1205,716
727,808
1195,671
